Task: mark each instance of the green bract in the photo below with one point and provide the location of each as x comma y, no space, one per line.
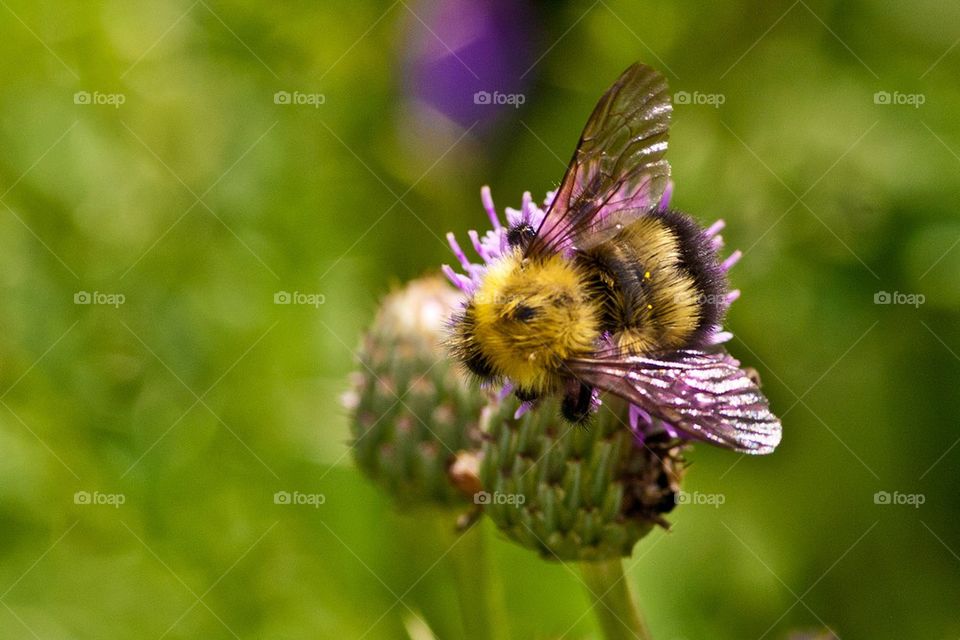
572,492
412,411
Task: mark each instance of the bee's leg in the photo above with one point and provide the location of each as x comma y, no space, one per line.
576,402
525,396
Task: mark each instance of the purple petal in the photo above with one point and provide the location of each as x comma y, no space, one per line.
671,430
733,259
522,409
460,282
478,246
527,206
715,228
457,251
665,198
487,198
719,337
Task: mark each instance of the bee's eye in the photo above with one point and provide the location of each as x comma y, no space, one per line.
523,313
520,235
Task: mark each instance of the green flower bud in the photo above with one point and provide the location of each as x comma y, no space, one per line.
411,410
576,492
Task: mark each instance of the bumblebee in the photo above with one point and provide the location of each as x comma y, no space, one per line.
615,293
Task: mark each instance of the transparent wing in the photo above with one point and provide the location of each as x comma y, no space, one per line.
706,396
618,171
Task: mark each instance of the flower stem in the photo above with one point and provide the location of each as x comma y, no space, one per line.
609,593
481,603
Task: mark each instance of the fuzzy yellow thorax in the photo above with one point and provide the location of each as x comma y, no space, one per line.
532,314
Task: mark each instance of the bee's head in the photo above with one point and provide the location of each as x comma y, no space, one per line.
524,320
520,235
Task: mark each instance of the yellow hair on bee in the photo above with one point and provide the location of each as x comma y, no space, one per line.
529,315
651,298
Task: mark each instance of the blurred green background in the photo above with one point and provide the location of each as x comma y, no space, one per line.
143,154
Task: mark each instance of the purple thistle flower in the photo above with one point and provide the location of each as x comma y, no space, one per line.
493,244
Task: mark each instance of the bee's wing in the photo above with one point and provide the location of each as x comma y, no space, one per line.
618,171
706,396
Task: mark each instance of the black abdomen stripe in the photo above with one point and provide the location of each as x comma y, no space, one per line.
699,259
660,280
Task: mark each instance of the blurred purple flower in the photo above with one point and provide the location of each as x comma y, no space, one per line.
468,58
